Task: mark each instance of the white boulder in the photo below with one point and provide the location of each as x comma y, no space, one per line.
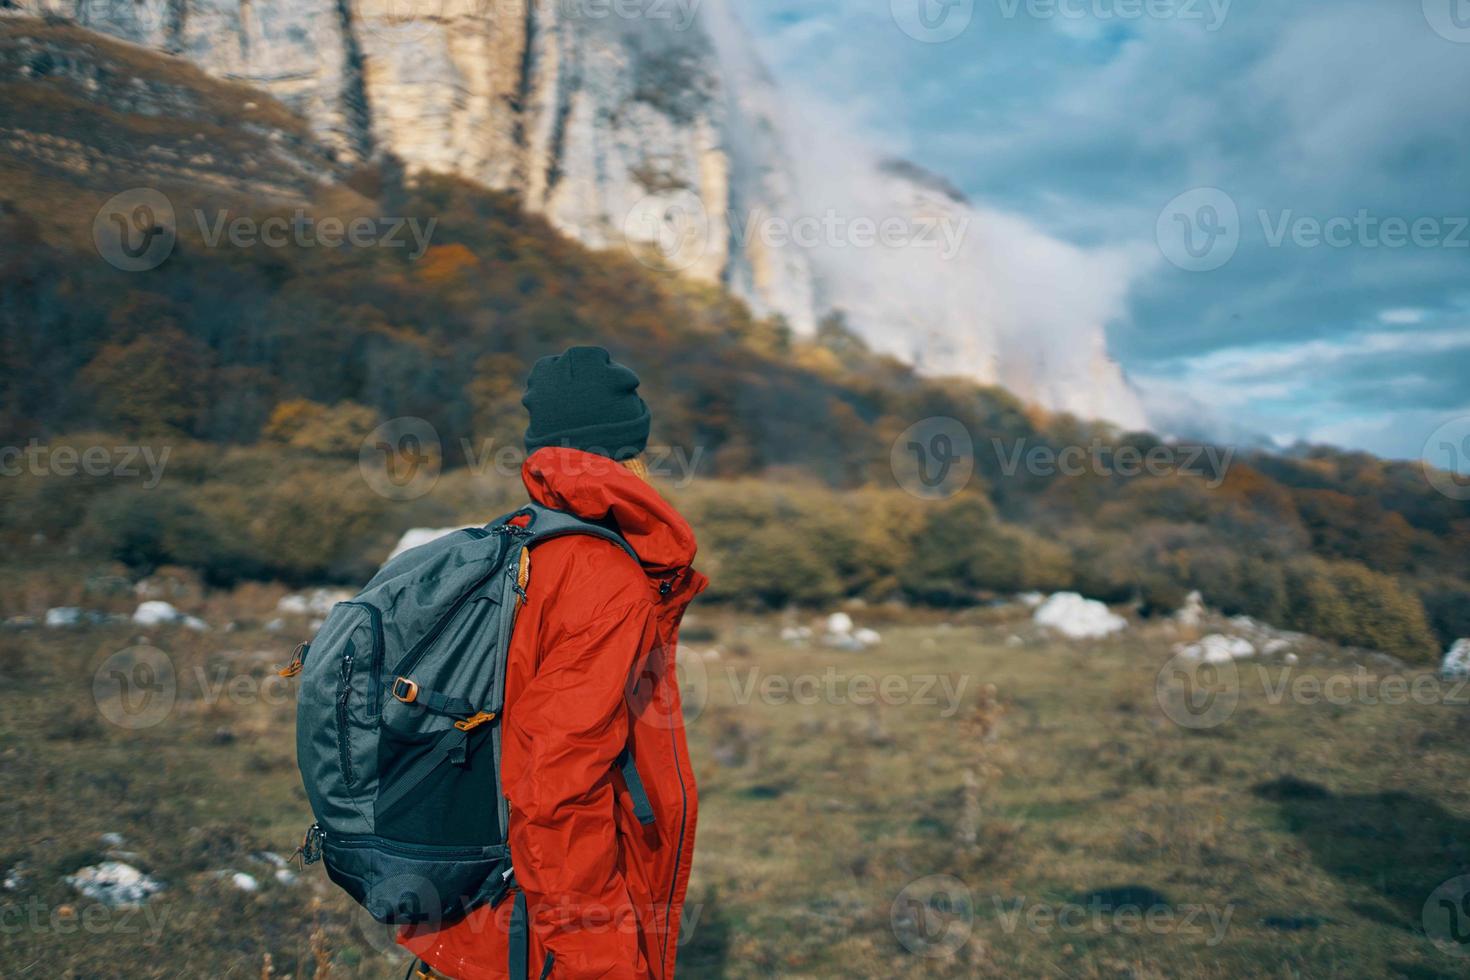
1192,613
317,602
156,612
1217,649
843,634
1456,661
242,881
271,858
63,616
421,536
796,634
1078,618
115,884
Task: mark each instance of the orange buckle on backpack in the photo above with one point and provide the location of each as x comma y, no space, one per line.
470,724
294,667
406,690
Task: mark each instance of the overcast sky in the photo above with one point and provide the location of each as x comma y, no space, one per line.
1090,118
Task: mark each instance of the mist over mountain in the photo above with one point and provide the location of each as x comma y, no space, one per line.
664,133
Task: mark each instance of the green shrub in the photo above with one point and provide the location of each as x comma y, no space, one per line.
1447,604
147,528
324,430
773,567
1349,603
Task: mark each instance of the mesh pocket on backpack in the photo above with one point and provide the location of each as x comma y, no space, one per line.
449,804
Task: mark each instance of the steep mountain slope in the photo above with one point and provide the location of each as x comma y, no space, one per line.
78,104
610,127
663,132
268,366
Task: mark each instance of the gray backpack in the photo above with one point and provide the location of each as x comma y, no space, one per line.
397,726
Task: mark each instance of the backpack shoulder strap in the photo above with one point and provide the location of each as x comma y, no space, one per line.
546,524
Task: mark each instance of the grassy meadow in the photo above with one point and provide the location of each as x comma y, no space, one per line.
966,798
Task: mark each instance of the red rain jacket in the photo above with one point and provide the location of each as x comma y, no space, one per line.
591,671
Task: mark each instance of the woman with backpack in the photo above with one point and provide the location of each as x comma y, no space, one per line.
595,768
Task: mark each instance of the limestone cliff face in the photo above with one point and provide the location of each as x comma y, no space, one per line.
616,129
661,132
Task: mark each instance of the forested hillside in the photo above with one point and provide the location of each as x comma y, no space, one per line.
263,369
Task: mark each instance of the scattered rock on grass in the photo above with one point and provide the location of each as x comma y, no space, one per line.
1272,647
241,881
63,616
281,868
1456,661
317,602
67,617
1192,613
115,884
420,536
156,612
15,877
1078,618
843,634
1217,649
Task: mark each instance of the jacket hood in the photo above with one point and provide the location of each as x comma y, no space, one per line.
596,488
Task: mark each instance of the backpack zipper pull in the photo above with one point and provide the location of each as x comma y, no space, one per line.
310,850
520,574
